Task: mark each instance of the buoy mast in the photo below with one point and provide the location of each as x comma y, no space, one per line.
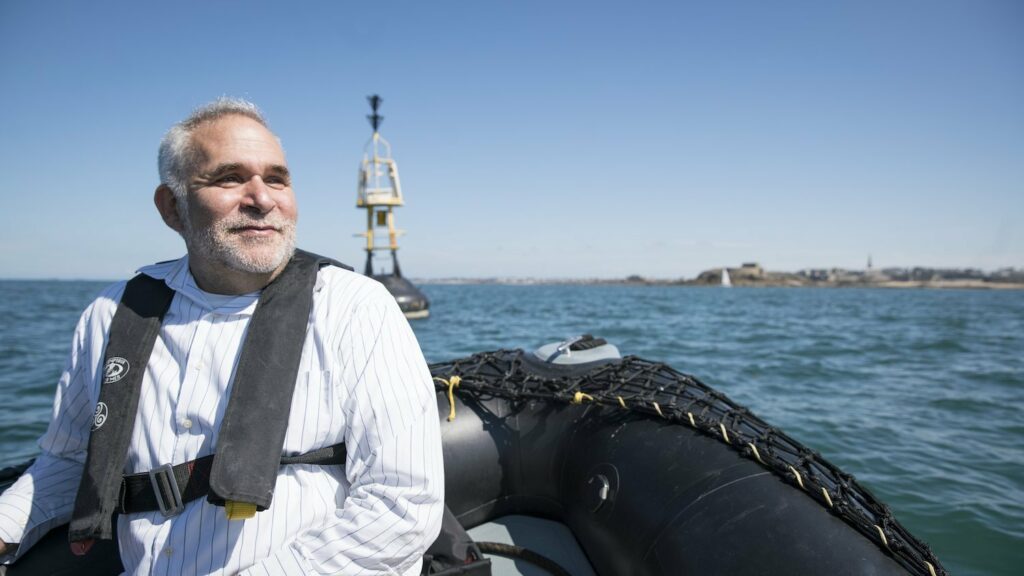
380,191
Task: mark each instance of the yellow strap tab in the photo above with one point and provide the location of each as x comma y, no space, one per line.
931,569
725,433
756,453
621,401
658,409
692,423
882,534
800,479
239,510
579,397
827,497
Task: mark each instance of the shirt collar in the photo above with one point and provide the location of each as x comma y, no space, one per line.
178,277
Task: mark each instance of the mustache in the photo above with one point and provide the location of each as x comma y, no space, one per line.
236,223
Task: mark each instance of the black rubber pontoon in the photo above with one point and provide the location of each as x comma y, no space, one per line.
655,473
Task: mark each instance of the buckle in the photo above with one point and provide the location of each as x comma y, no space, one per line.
165,486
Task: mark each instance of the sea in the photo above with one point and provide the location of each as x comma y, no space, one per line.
917,393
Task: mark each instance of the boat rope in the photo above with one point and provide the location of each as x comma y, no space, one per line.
656,390
452,383
518,552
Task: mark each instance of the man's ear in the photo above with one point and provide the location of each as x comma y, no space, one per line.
167,205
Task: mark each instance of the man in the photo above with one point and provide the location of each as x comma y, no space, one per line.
361,380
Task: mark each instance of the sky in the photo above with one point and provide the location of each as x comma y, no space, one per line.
536,138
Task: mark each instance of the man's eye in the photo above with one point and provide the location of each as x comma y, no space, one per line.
276,182
228,179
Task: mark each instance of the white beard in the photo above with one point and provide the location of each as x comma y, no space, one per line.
252,255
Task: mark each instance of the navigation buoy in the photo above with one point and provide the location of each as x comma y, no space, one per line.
380,192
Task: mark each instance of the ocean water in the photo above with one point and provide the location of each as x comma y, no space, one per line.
918,393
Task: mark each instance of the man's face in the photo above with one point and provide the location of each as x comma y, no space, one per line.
241,209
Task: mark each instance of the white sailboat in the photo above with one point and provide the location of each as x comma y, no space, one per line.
726,282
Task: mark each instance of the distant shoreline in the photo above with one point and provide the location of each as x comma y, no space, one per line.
710,279
752,274
767,283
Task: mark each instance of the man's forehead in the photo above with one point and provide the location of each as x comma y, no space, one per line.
237,139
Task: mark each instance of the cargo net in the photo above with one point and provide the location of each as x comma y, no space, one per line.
659,391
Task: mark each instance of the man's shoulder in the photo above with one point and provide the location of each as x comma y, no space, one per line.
174,272
350,296
99,313
105,303
352,286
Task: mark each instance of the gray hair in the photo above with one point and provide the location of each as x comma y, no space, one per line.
178,158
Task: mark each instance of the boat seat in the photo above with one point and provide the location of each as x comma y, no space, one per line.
548,538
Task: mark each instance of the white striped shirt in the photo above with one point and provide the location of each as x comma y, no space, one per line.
362,380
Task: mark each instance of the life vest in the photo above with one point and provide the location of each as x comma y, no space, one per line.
248,455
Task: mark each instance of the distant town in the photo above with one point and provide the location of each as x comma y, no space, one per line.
753,274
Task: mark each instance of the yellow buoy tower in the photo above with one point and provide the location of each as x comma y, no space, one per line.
380,192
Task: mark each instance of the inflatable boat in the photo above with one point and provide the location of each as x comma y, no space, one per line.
580,461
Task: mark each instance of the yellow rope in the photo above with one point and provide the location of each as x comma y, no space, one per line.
799,479
692,423
621,401
931,569
452,384
756,453
882,534
725,433
579,397
658,409
827,497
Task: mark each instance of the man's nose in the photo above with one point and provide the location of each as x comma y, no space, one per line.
258,195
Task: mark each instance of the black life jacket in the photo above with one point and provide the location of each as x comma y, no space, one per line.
251,436
252,431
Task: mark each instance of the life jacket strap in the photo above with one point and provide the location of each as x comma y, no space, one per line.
168,488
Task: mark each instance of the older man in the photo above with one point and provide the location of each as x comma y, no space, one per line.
248,408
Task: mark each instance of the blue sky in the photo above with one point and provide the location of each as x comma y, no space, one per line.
544,139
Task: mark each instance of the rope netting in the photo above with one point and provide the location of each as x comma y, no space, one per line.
659,391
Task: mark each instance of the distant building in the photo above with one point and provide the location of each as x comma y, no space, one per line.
815,274
842,275
750,270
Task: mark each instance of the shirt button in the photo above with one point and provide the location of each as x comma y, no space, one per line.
168,551
186,423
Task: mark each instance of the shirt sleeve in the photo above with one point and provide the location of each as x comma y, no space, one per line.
393,509
44,495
